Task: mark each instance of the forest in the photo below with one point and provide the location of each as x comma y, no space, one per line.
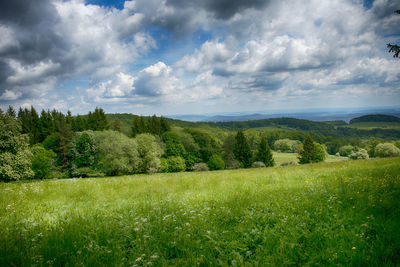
50,144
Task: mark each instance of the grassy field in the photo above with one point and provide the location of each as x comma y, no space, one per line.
341,213
287,158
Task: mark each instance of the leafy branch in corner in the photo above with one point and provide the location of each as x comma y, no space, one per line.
392,47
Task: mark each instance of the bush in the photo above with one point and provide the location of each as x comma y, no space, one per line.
200,167
386,150
345,151
258,164
361,154
216,162
176,164
42,161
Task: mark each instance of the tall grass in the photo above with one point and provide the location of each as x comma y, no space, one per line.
343,213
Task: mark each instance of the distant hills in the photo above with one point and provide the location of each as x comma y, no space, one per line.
375,118
312,114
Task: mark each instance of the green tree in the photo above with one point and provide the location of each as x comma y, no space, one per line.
15,156
97,120
149,151
312,152
264,153
173,145
216,162
242,150
176,164
42,161
83,150
117,153
386,150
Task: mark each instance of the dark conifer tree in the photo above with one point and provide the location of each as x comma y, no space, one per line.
242,150
264,153
11,112
307,155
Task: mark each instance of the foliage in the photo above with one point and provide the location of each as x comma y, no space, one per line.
312,152
173,145
200,167
117,153
287,145
361,154
175,164
15,156
149,151
97,120
345,151
375,118
216,162
42,161
83,150
154,125
242,150
206,143
264,154
386,150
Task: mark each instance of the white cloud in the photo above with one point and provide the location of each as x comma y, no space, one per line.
10,95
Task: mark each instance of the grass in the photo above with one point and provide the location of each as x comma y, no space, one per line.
287,158
341,213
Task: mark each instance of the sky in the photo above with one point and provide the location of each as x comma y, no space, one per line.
170,57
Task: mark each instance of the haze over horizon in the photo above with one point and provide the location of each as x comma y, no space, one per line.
198,57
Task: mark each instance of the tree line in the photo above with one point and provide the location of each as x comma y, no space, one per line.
57,145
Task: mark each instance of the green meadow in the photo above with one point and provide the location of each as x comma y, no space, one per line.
337,213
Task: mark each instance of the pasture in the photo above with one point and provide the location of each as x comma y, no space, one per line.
339,213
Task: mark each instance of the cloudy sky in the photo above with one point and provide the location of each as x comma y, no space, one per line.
198,56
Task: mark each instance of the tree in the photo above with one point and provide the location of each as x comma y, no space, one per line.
264,153
216,162
173,145
393,48
386,150
117,153
83,150
149,151
97,121
308,152
42,161
15,156
242,150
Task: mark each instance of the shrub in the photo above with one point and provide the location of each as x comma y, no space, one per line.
164,165
361,154
200,167
258,164
345,151
386,150
216,162
42,161
176,164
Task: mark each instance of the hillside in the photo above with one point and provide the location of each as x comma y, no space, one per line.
337,129
339,214
375,118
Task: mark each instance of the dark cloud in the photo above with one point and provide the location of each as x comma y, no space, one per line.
221,9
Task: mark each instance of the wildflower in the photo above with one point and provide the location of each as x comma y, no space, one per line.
353,248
